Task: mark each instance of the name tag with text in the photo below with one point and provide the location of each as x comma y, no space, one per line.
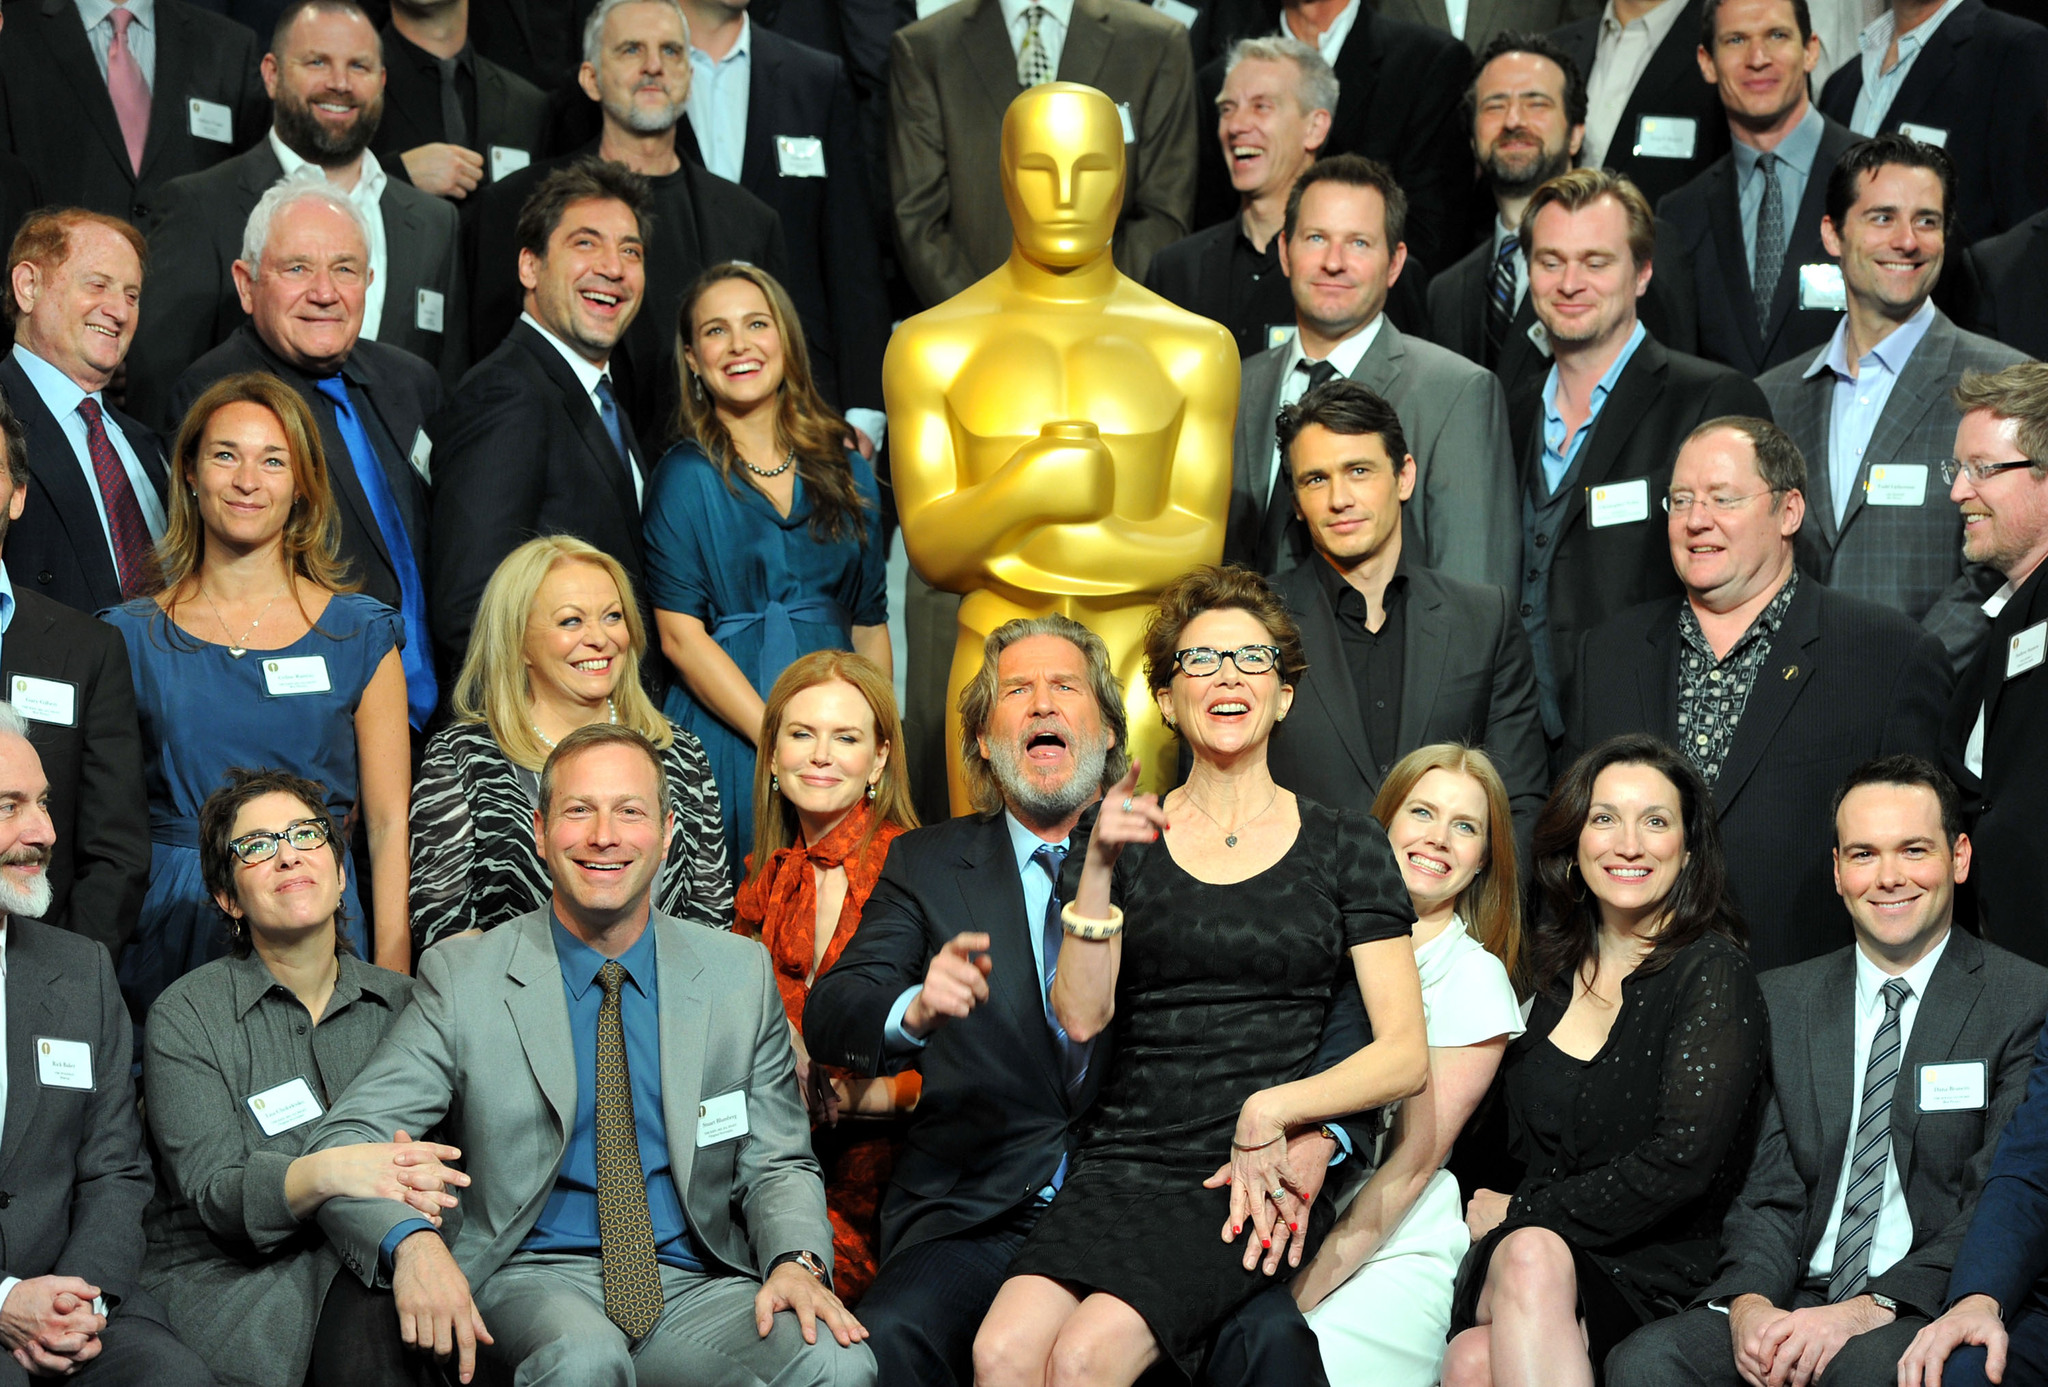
1820,287
1666,137
1963,1086
506,161
282,1108
2027,649
1618,503
722,1118
1926,134
800,156
430,312
63,1063
54,701
209,120
1897,484
298,674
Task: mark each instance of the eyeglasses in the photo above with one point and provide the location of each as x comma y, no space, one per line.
1683,502
303,834
1200,661
1980,472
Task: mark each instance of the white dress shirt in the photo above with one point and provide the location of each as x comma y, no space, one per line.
1052,29
99,33
588,373
1973,750
368,196
1619,59
1345,356
62,397
1330,42
1881,88
718,102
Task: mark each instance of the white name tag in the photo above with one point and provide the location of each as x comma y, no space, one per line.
1539,337
1618,503
1899,484
209,120
282,1108
1820,286
300,674
1926,134
2026,649
722,1118
506,161
428,313
1279,335
1959,1087
800,156
422,456
1123,112
1183,15
44,700
1666,137
63,1063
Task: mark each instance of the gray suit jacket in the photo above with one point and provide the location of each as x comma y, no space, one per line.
1462,520
1982,1003
484,1052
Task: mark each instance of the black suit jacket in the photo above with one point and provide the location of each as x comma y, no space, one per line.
57,115
18,196
58,548
510,111
541,40
1705,216
402,391
1670,86
99,868
1847,680
1999,144
2007,287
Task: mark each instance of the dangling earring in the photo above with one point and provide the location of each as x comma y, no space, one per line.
774,785
871,790
696,386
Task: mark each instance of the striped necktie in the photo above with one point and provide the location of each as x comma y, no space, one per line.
1500,298
1871,1149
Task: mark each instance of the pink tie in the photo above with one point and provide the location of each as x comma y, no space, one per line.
129,91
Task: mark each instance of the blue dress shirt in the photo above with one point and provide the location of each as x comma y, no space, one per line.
1859,400
1796,153
62,397
1557,457
717,104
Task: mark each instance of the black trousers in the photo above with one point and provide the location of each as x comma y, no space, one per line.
356,1343
1697,1349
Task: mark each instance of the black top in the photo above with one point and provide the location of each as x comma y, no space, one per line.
1260,295
1376,659
412,95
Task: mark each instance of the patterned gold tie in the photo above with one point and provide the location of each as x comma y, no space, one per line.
625,1233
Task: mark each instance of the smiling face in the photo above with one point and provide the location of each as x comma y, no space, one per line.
1759,63
1582,275
1633,843
1895,870
1439,837
2005,516
26,833
826,755
1338,261
293,894
81,315
1520,132
243,476
327,83
603,835
734,347
1063,173
589,285
1349,492
1267,138
1727,557
1045,740
1891,241
576,637
642,76
1222,714
307,296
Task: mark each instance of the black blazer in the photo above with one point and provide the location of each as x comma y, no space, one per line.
510,111
18,196
58,548
99,868
519,451
1708,224
541,40
1847,680
403,392
57,115
2007,283
1670,86
2000,146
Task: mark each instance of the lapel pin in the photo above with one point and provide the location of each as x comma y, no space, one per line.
1791,673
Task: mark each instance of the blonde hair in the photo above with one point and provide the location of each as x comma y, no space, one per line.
494,687
1491,903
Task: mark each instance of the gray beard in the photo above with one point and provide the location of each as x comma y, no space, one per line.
646,122
31,902
1045,806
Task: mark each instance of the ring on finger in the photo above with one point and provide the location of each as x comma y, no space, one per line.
1127,805
1276,1195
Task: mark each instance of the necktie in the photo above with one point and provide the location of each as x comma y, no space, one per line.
1034,62
125,525
129,91
608,412
1073,1056
625,1231
1770,239
1500,298
454,126
421,690
1872,1146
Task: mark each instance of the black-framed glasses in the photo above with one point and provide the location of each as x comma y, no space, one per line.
1980,472
303,834
1201,661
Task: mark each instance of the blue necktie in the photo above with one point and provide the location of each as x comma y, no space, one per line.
421,692
1074,1058
608,411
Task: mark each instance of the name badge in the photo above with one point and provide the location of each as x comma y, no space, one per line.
800,156
722,1118
1926,134
1957,1087
1183,15
2026,649
1539,338
1820,286
282,1108
1123,113
1279,335
298,674
1618,503
44,700
429,311
63,1063
422,456
506,161
1666,137
209,120
1898,484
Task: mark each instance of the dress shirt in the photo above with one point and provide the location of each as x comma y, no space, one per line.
568,1221
1345,356
1501,231
1881,88
718,102
406,64
1455,12
1557,457
1052,30
1260,298
6,620
1619,59
1330,42
1859,399
1893,1237
368,196
588,374
1376,659
1713,690
62,397
1973,750
1796,153
99,33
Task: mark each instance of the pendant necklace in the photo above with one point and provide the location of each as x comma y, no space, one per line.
550,741
1230,835
237,648
787,463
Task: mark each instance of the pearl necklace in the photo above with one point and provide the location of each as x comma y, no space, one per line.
787,463
550,741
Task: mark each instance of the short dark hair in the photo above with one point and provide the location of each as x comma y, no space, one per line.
1352,171
239,788
1904,769
1213,587
289,16
16,435
1801,15
1778,459
1341,406
598,734
589,179
1845,184
1536,45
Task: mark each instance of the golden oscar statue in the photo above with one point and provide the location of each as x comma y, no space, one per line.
1061,435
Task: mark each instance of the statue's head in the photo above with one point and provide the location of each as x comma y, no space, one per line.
1063,172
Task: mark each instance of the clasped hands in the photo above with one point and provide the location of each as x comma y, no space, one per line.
1790,1348
49,1325
1274,1174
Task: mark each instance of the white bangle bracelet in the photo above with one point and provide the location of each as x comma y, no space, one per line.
1083,928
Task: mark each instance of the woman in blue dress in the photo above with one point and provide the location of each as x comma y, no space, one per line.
763,533
254,652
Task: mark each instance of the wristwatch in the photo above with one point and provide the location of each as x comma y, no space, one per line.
809,1261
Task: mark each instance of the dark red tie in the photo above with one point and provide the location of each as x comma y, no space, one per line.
132,543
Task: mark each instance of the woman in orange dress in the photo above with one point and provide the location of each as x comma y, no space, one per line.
830,795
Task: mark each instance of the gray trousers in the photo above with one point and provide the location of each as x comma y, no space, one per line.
1696,1349
546,1313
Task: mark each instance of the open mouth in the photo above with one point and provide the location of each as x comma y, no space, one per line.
602,666
1045,745
743,368
1432,866
1229,709
595,865
1245,153
1628,874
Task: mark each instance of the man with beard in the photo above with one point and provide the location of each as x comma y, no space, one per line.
455,121
325,74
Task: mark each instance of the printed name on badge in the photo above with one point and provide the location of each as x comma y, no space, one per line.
800,156
722,1118
2027,649
1666,137
506,161
1618,503
209,120
430,312
1821,287
1897,484
1962,1086
297,674
280,1109
63,1063
54,701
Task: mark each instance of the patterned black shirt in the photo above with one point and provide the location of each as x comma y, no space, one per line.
1712,692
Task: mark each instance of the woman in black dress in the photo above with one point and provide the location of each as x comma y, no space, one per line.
1631,1100
1247,910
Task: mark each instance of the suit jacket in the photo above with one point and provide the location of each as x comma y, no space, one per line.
1846,681
56,114
1706,217
1981,1004
190,304
540,40
2008,279
1670,86
1462,520
18,196
2000,148
951,78
2005,1253
1485,18
99,867
58,548
484,1051
510,111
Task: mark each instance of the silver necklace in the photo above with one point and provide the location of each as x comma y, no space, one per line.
787,463
1230,835
550,741
237,648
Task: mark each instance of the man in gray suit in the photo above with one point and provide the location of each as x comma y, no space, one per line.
1896,1062
1871,409
644,1205
1341,248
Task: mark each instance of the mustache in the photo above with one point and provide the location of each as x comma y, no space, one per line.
26,857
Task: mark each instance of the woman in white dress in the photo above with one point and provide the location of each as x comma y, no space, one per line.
1378,1292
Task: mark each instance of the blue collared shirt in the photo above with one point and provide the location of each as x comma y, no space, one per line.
718,103
1880,88
62,397
1796,153
1557,456
1859,400
97,16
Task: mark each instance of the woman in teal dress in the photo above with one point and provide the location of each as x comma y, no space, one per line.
763,534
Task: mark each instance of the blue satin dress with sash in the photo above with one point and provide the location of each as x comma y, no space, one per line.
765,588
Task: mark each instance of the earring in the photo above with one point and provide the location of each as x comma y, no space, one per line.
696,386
871,789
774,785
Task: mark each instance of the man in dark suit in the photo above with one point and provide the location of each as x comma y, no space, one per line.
1929,83
454,121
327,79
1773,685
1649,115
301,279
541,40
1479,22
1895,1063
1751,222
2007,275
96,477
